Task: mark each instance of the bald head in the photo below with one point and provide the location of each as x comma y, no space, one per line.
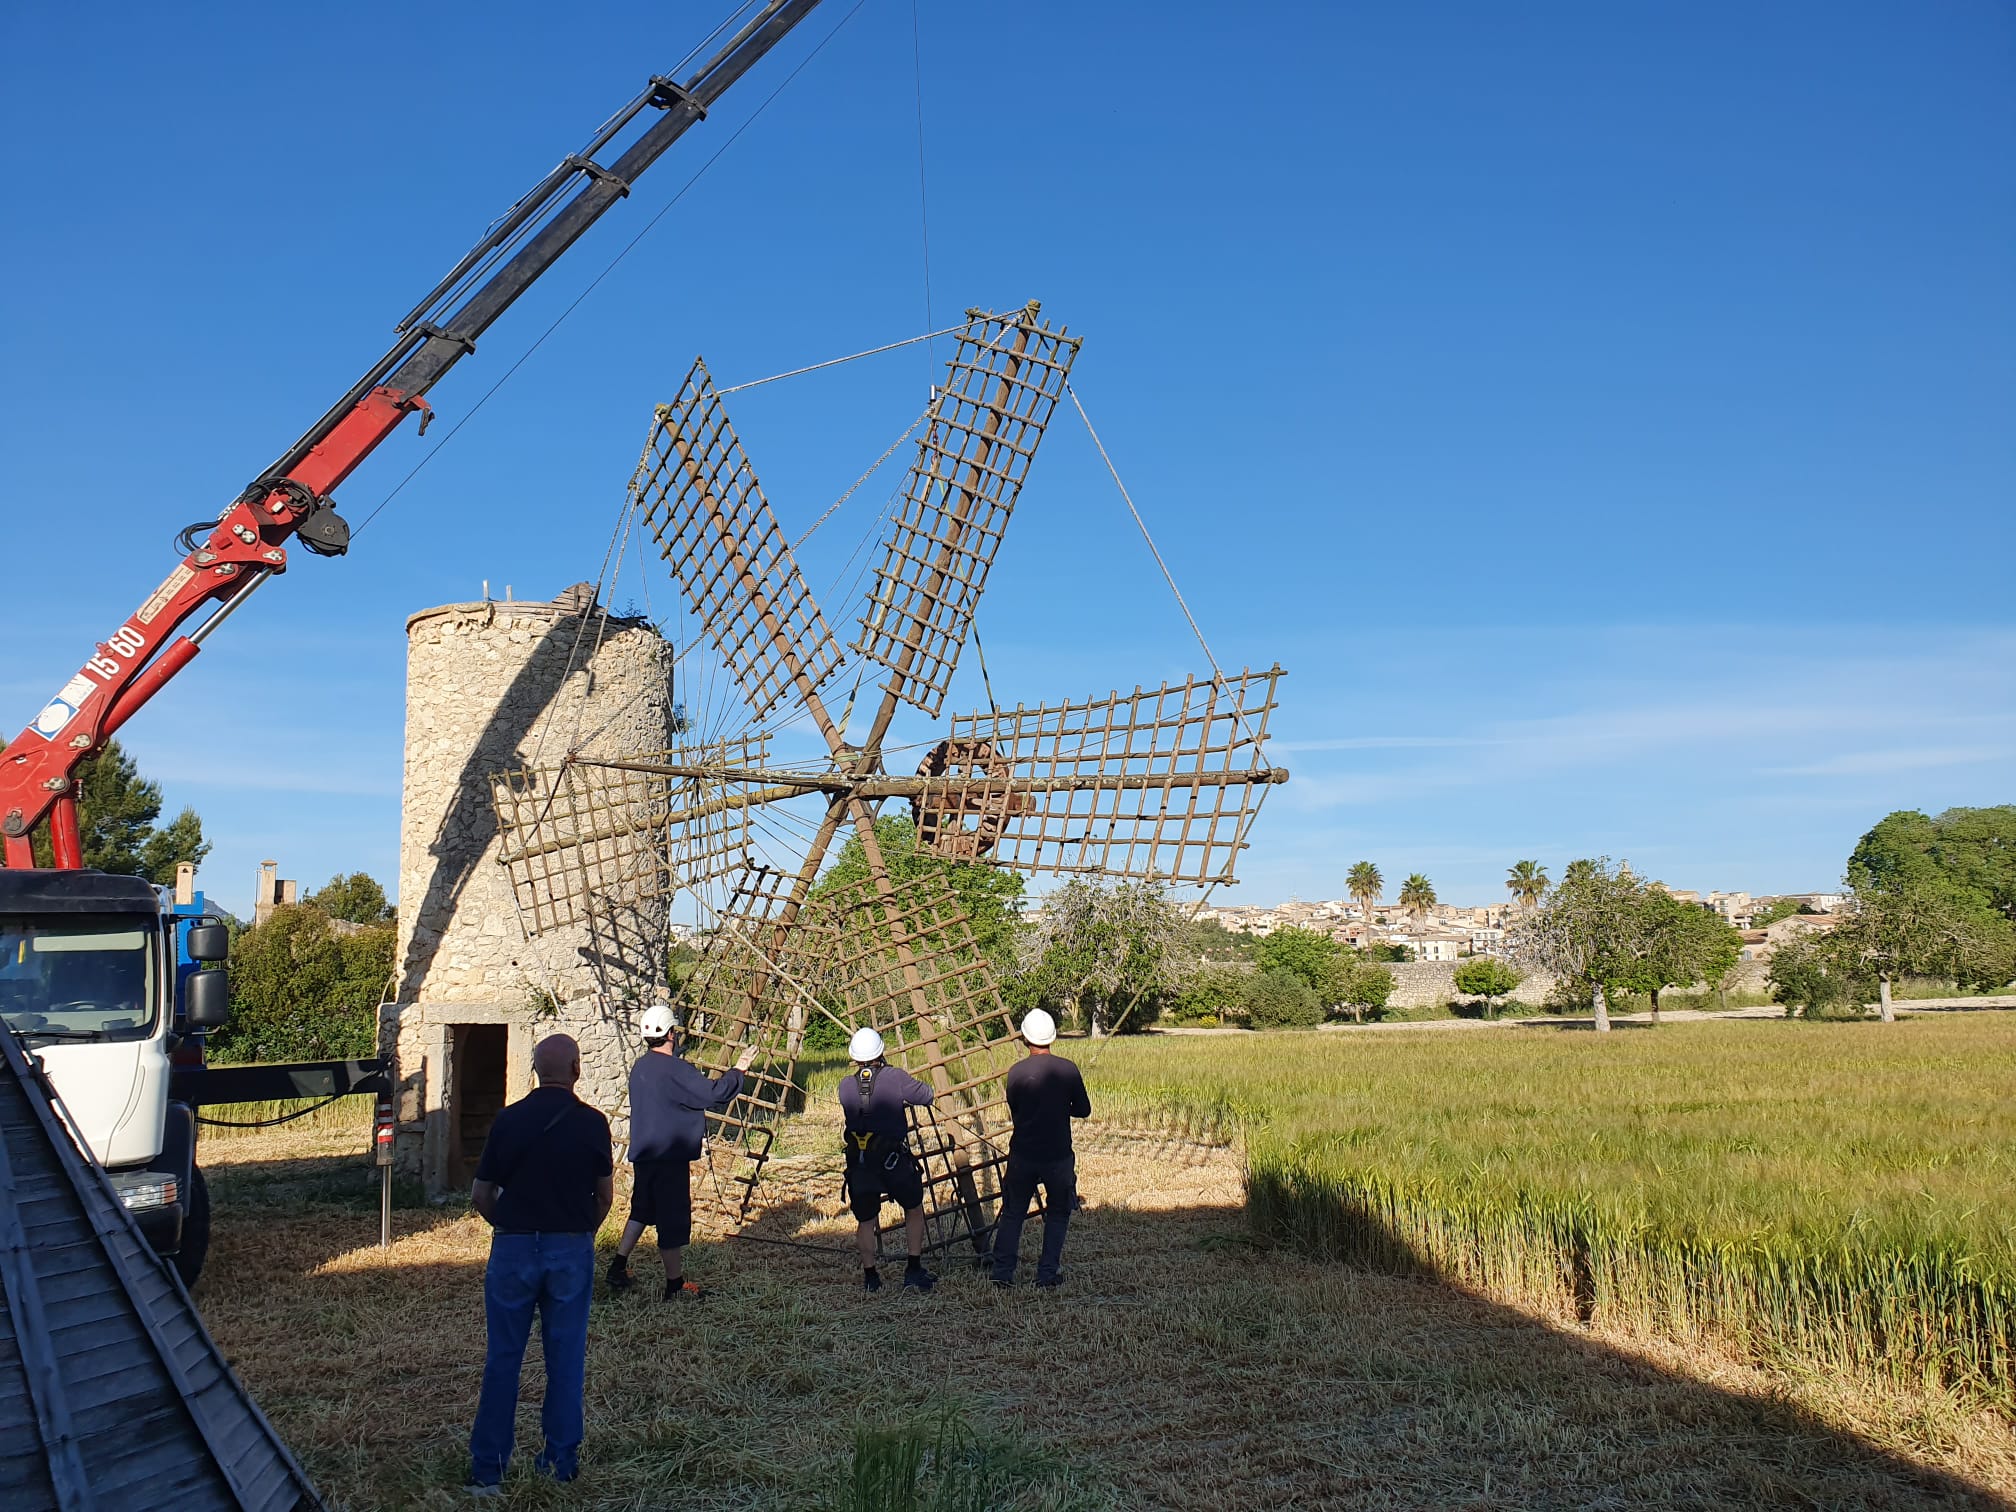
556,1061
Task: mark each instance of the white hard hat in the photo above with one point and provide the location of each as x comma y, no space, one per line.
658,1022
865,1046
1038,1027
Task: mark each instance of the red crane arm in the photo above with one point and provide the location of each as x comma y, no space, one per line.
246,548
291,498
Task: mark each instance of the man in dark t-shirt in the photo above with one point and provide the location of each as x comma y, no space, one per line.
544,1183
1045,1092
875,1101
670,1099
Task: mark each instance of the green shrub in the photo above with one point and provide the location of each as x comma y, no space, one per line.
1809,981
303,990
1365,991
1282,1000
1488,978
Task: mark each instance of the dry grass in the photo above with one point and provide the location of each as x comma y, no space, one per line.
1180,1368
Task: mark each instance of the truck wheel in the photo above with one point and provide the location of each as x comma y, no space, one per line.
188,1260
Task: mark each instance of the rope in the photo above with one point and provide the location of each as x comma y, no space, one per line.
268,1123
923,199
1216,671
873,467
836,361
985,681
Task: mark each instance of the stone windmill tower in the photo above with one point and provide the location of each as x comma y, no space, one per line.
492,684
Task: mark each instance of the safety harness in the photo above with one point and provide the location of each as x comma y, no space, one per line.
866,1147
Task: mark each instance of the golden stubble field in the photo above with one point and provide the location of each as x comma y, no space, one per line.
1183,1366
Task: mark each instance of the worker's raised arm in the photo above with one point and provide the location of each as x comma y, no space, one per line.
917,1094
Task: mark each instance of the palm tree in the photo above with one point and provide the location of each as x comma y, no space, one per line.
1526,881
1365,884
1417,896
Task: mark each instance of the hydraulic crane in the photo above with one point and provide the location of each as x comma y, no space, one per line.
247,545
105,977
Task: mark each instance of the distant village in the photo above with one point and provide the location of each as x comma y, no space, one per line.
1450,931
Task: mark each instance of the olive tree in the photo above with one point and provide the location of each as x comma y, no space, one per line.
1594,932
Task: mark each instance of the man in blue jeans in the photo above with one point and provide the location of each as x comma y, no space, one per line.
1045,1092
544,1183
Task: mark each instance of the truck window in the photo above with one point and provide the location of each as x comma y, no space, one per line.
82,976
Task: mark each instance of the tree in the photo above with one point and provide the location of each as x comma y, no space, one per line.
355,899
1282,1000
1213,992
1366,989
1321,963
116,810
1807,976
302,991
1365,884
1488,978
1917,923
1527,882
1417,896
1104,955
988,894
1593,933
1971,851
1684,944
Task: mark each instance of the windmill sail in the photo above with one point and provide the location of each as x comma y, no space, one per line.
717,532
1162,782
984,427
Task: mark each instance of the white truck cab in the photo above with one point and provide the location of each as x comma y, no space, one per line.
94,984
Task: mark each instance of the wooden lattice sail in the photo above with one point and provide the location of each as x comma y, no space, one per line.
1161,783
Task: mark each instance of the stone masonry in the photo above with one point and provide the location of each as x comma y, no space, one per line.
492,686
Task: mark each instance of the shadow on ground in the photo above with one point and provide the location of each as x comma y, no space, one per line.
1180,1367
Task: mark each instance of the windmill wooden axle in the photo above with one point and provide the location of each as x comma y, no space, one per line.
950,790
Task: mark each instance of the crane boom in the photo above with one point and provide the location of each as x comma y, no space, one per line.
247,544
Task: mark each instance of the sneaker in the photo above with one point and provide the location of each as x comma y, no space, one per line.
688,1290
1050,1283
620,1278
1002,1283
871,1281
918,1280
483,1488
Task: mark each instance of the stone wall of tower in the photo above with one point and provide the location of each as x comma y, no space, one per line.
489,687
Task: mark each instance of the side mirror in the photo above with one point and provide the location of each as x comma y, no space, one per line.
206,998
209,942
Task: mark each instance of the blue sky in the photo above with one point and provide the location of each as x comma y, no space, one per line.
1606,413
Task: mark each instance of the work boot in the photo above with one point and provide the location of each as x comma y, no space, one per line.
1050,1283
619,1273
916,1278
871,1279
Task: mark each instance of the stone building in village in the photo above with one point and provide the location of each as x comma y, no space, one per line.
492,686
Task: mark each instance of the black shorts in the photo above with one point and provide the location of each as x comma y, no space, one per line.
895,1176
661,1197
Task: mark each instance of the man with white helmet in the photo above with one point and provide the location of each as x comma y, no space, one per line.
670,1099
875,1100
1045,1092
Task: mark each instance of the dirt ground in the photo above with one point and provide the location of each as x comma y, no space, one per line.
1180,1367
